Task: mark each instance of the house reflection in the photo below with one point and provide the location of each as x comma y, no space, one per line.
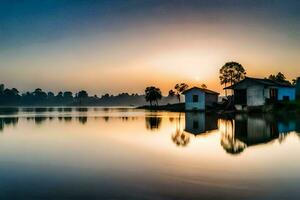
249,130
254,130
198,123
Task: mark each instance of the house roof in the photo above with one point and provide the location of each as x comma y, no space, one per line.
261,81
201,89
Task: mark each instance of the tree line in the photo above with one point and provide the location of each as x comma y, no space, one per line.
229,74
12,97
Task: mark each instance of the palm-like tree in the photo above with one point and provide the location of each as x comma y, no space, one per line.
152,94
180,88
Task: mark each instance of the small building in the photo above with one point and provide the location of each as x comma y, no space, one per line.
255,92
199,98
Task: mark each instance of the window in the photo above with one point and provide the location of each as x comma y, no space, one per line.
240,96
286,98
195,98
195,124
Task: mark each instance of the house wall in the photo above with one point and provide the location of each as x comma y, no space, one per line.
190,105
298,88
287,91
210,99
267,93
255,95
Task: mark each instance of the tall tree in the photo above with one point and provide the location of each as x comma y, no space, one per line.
171,93
68,97
15,91
152,94
231,73
81,95
180,88
279,77
39,95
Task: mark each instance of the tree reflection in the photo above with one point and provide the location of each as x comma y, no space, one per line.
39,120
82,109
106,118
245,130
82,119
153,122
228,141
68,119
7,121
181,138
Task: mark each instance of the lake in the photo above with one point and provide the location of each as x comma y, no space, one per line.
126,153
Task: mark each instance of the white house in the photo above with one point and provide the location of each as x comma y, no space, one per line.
253,92
199,98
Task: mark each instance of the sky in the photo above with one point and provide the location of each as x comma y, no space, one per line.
113,46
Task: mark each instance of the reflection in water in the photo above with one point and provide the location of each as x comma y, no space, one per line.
249,130
40,110
40,119
67,109
237,132
228,141
8,121
82,119
9,111
101,158
153,122
81,109
197,123
171,119
68,119
106,118
180,138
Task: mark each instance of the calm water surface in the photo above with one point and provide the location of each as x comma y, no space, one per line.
123,153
